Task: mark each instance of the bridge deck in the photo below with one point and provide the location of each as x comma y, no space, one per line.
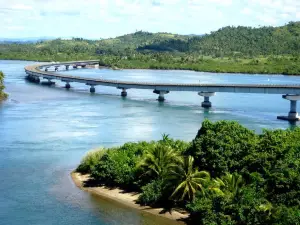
35,70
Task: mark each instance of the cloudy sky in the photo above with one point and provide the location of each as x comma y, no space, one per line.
109,18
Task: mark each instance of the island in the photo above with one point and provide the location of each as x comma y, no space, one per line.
227,175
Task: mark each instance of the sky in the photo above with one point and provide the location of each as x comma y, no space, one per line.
96,19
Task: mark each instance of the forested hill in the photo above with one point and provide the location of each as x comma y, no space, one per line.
61,49
136,40
238,40
228,41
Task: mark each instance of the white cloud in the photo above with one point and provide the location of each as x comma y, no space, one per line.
246,11
267,19
102,18
22,7
284,15
15,28
221,2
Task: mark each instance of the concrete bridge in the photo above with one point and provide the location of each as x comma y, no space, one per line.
289,92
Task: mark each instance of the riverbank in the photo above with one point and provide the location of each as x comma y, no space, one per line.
275,65
127,199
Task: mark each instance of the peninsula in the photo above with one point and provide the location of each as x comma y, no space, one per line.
227,175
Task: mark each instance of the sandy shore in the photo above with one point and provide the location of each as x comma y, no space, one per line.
124,198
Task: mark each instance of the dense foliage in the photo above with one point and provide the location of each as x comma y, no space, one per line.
273,50
2,94
226,175
239,40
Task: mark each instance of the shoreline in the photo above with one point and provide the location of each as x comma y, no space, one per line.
193,70
126,199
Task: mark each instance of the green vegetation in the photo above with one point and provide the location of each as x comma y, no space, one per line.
226,175
240,41
2,94
273,50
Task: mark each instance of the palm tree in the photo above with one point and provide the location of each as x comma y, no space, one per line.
229,184
159,160
188,179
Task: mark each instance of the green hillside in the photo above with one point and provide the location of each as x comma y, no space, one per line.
274,50
284,40
79,48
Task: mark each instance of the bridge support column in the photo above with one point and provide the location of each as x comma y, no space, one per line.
33,79
161,95
50,82
124,92
67,86
293,115
56,68
206,95
37,80
67,67
92,89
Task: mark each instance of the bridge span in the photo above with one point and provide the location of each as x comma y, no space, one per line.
38,71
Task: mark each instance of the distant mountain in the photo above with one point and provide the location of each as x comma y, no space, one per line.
25,40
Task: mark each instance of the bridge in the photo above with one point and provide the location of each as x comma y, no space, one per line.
38,71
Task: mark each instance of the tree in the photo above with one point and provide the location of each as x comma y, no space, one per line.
222,147
187,179
157,161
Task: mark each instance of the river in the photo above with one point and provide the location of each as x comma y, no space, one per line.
45,131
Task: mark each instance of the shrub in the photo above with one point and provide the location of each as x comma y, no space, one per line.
90,160
151,193
2,94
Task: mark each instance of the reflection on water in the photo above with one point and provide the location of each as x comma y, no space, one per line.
45,131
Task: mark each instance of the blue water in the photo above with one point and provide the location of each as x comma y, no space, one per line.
45,131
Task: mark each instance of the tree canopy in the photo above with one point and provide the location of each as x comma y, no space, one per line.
227,175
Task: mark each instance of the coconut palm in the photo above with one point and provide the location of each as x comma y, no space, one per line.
187,179
229,183
159,160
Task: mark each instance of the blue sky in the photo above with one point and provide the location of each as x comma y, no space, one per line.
109,18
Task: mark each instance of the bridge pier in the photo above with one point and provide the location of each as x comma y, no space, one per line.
161,94
92,89
67,67
206,95
67,86
124,92
37,80
56,68
293,115
33,79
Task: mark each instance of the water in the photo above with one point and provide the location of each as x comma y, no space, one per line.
45,131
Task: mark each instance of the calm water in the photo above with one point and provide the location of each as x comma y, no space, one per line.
45,131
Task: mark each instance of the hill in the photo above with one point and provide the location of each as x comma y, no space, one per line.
273,50
77,48
284,40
